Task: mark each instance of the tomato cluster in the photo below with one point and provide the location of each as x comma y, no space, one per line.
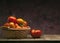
14,22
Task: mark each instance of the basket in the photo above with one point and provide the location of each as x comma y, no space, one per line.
14,34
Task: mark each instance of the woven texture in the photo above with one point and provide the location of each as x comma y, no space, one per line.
14,34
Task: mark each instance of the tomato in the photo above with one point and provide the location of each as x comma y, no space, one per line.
25,23
36,33
12,25
12,19
20,20
6,24
17,26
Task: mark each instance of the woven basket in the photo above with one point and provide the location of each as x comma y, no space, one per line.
14,34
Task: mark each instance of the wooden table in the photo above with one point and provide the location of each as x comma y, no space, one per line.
43,38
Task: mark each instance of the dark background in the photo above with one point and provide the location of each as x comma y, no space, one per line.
41,14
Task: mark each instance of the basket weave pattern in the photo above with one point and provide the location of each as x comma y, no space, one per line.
14,34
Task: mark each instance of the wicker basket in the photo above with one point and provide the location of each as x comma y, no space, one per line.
14,34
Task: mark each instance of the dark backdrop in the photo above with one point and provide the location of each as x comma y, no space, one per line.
41,14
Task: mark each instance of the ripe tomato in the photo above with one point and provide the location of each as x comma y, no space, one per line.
17,26
20,20
36,33
25,23
12,25
6,24
12,19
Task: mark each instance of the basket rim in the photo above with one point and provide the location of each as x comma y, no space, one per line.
18,29
11,29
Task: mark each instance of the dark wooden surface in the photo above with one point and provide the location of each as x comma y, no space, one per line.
43,38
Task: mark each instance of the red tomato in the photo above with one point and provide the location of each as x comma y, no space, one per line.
6,24
36,33
12,19
25,23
